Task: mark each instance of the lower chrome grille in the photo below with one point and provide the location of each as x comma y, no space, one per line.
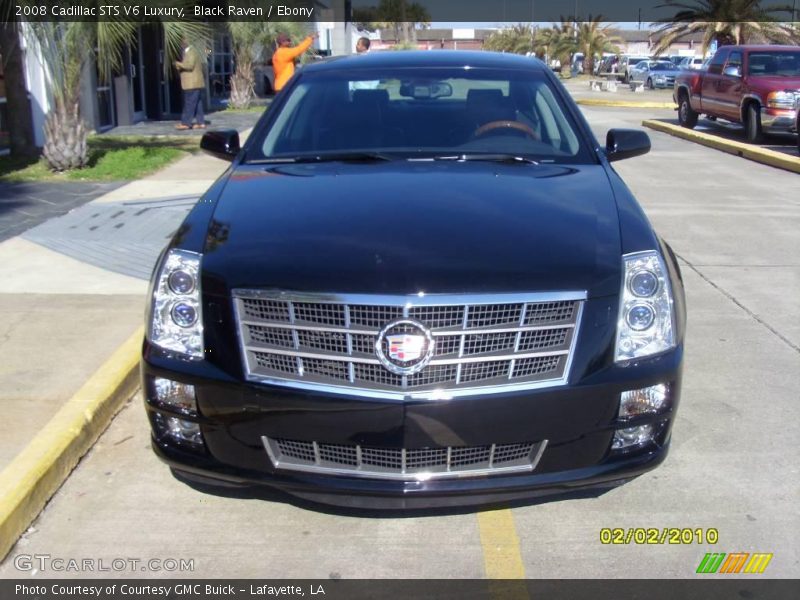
481,343
402,463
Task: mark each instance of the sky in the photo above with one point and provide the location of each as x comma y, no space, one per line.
488,25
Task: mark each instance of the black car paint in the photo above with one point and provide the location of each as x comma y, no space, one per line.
401,228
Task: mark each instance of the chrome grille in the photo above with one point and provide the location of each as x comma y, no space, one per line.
402,463
482,343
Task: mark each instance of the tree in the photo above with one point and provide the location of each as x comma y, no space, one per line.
560,42
20,123
401,16
726,21
593,39
519,39
66,48
250,41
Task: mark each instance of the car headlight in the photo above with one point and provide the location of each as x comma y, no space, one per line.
781,100
175,320
645,323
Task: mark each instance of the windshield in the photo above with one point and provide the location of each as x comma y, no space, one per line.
423,113
772,64
661,66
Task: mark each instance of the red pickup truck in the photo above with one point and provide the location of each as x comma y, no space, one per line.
757,86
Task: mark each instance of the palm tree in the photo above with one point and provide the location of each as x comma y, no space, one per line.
249,41
401,16
519,39
726,21
65,49
560,42
417,15
594,39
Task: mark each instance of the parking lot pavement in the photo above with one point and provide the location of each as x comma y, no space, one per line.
732,467
25,205
579,90
785,144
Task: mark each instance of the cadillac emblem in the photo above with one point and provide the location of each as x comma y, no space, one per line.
404,346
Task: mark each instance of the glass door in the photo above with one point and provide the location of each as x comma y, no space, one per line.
136,68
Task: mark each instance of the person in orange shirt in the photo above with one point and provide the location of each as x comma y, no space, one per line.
284,57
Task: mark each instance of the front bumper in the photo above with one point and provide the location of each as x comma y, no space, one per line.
775,120
578,421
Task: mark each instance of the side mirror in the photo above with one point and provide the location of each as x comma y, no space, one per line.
732,71
222,144
626,143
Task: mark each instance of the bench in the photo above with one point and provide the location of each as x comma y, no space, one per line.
637,86
606,85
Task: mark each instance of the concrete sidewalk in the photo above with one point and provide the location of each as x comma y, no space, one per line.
73,292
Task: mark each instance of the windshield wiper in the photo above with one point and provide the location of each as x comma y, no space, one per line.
328,157
499,158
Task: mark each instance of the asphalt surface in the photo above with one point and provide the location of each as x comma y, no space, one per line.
732,466
26,205
222,119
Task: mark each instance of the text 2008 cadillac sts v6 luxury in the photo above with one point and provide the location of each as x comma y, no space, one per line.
419,283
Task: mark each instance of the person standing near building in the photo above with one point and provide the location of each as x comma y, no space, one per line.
192,84
362,48
284,57
362,45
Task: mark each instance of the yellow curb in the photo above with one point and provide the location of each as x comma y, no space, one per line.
762,155
624,103
31,479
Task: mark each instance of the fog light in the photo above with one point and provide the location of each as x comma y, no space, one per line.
640,317
181,431
184,314
632,436
643,401
175,394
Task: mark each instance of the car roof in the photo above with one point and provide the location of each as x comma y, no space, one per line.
427,58
763,47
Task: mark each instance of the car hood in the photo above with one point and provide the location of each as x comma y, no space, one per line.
408,227
667,73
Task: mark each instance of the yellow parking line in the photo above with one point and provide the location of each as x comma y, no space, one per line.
624,103
29,481
756,153
501,551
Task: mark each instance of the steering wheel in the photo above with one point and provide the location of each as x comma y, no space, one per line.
516,125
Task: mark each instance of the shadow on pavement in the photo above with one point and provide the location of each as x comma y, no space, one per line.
785,144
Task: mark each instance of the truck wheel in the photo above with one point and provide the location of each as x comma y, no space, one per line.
753,124
686,116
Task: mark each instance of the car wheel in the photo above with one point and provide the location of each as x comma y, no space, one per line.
753,124
686,116
650,85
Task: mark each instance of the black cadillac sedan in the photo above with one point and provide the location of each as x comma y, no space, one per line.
419,283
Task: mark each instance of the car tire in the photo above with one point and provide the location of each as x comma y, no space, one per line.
650,85
752,125
687,117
